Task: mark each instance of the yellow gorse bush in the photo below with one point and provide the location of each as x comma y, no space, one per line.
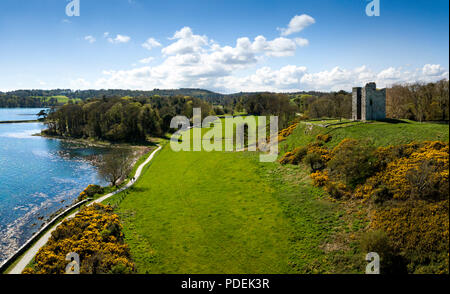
95,234
283,134
409,186
395,176
320,178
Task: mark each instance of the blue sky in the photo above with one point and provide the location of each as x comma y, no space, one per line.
226,46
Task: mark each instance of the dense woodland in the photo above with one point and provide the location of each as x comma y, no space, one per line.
134,119
11,101
121,119
419,101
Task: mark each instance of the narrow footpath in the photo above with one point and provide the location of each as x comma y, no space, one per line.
29,255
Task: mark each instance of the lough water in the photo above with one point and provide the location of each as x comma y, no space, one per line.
38,176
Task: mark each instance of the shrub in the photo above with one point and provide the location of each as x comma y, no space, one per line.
319,178
381,194
423,174
299,154
319,149
419,231
352,162
287,158
324,138
378,241
90,191
315,161
295,156
288,131
336,190
94,189
95,234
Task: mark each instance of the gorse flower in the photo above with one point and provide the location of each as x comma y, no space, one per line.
95,234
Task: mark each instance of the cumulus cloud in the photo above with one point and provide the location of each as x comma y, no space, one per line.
146,60
186,42
297,24
90,39
278,47
151,43
195,61
119,39
433,70
265,79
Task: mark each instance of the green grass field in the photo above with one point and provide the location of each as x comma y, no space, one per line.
225,212
378,133
60,98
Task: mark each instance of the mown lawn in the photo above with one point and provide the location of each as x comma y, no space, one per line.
224,212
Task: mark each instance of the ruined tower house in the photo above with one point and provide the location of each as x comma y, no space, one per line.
368,103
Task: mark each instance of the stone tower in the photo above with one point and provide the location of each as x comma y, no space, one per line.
368,103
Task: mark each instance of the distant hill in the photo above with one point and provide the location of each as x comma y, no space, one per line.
63,95
85,94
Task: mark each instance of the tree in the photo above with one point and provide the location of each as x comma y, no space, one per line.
42,114
115,165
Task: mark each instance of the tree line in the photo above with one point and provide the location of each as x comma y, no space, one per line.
419,101
415,101
12,101
123,119
331,105
269,104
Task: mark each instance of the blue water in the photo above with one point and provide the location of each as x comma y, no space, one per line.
10,114
38,176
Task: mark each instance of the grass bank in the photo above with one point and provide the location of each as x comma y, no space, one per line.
378,133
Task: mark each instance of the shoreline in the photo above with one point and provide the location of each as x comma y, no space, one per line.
139,154
94,143
37,240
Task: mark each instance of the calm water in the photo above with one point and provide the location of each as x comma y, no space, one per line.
8,114
38,176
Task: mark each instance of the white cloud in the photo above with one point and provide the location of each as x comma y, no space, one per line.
278,47
119,39
297,24
390,73
90,39
265,79
186,42
195,61
301,42
433,70
151,43
146,60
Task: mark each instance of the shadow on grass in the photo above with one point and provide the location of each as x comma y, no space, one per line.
137,189
394,121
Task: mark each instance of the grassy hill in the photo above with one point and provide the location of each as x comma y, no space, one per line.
225,212
378,133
